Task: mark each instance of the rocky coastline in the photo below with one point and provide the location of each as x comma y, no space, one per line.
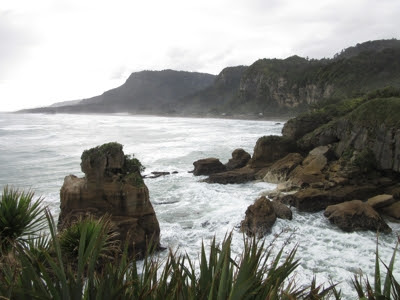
339,163
341,159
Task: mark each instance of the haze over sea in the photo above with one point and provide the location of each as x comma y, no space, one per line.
37,151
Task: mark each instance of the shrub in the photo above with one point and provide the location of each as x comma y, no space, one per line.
21,218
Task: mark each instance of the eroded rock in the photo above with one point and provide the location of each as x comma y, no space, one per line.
392,211
230,177
239,159
260,217
356,215
313,200
208,166
381,201
310,172
112,185
282,211
279,171
269,149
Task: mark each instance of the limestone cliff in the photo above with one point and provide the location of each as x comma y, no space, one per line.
112,185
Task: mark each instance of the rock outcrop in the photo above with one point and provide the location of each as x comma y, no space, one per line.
313,199
259,219
239,159
241,175
372,130
282,211
310,170
278,172
112,185
381,201
356,215
234,171
269,149
392,211
208,166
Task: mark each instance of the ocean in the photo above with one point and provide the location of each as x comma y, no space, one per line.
38,150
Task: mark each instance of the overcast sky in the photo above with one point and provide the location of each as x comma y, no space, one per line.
57,50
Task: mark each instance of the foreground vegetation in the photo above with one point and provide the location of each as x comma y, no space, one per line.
86,261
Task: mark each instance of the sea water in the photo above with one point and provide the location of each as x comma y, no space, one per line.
37,151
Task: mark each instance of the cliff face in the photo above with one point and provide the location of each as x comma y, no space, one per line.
292,85
217,98
112,185
369,131
375,126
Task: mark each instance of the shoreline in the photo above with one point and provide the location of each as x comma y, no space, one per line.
249,117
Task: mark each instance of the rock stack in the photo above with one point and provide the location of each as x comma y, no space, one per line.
112,185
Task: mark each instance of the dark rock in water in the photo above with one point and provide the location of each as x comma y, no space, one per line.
112,185
208,166
269,149
260,217
230,177
239,159
158,174
282,211
356,215
280,170
313,200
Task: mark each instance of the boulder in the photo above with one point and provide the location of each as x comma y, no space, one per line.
392,211
381,201
269,149
208,166
356,215
239,159
278,172
157,174
310,171
313,200
241,175
282,211
259,219
112,185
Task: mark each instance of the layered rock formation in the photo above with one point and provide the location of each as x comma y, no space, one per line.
112,185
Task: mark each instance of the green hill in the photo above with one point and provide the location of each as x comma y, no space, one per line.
269,87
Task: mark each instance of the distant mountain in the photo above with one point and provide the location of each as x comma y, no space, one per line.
65,103
150,92
268,87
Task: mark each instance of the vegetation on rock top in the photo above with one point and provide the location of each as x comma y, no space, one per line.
101,151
